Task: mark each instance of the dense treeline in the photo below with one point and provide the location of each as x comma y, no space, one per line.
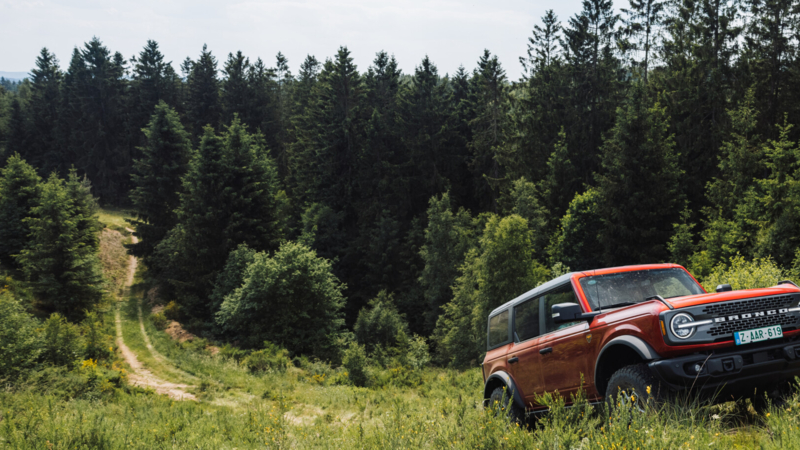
661,134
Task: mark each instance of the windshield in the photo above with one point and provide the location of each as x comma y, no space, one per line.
622,288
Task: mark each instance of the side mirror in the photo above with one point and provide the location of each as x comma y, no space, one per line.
570,312
724,288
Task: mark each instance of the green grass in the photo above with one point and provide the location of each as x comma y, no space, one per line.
315,407
116,219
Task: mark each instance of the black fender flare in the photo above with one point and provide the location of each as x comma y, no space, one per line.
642,348
505,379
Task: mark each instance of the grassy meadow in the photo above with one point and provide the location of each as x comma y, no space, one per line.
310,404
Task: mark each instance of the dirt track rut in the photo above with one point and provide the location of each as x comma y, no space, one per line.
140,376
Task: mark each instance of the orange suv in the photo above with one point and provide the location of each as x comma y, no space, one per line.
626,329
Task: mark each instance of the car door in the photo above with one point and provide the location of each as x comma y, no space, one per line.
524,358
565,348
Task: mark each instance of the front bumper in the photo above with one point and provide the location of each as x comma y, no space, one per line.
732,371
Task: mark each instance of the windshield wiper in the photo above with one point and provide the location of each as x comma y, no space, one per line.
618,305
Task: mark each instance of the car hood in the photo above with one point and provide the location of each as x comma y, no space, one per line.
700,299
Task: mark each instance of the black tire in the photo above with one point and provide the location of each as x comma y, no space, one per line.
635,384
501,399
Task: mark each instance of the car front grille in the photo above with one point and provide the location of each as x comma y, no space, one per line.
752,305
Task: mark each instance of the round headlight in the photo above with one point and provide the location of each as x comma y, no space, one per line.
680,319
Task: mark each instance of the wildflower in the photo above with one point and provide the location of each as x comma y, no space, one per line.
648,390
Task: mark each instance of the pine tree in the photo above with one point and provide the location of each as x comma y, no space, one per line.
428,128
448,237
489,101
94,120
235,92
19,194
696,84
538,109
61,259
577,244
156,179
595,77
642,25
43,108
153,80
561,182
640,186
770,48
202,103
228,198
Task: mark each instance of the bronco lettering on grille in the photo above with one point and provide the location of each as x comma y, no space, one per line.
771,312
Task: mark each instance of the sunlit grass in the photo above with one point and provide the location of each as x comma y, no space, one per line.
116,219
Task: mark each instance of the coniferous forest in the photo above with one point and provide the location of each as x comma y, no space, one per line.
292,207
223,252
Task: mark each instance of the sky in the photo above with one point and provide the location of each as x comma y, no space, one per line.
450,32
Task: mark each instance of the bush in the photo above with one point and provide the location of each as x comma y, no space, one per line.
270,358
743,274
62,342
20,342
97,344
172,311
418,355
301,295
379,323
355,361
159,320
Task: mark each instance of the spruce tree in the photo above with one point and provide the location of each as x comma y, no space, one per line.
156,179
61,259
539,111
235,91
596,82
228,198
202,103
489,101
448,237
576,243
19,194
43,108
642,24
640,185
153,80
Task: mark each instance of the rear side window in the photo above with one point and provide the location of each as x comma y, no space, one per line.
526,320
498,329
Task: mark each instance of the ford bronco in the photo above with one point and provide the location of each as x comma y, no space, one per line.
640,329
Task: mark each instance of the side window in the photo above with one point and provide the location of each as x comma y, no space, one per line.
526,319
498,329
563,294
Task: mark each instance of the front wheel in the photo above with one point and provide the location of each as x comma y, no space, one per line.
634,386
502,401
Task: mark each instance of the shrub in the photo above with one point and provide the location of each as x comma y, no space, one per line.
301,295
159,320
62,342
20,343
270,358
743,274
97,344
418,355
355,361
172,311
379,323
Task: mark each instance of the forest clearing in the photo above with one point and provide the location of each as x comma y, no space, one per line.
188,394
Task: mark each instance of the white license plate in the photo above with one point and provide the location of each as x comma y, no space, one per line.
758,335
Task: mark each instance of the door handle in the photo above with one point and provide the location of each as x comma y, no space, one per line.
513,360
546,350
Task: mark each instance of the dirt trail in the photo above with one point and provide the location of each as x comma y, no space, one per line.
140,376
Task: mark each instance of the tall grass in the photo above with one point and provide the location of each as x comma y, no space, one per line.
445,413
